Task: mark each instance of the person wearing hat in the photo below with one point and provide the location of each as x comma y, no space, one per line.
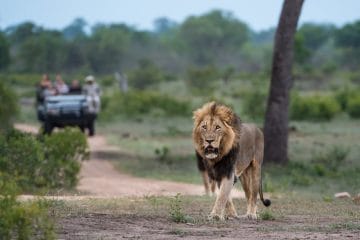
92,91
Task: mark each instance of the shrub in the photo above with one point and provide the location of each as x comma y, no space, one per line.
330,161
22,220
254,103
353,108
315,107
43,163
8,106
146,75
344,94
202,80
63,152
176,212
29,80
143,102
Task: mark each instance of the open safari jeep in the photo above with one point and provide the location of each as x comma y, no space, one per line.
69,110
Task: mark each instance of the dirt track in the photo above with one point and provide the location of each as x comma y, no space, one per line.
99,179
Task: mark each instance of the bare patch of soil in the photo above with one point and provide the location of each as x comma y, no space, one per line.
107,226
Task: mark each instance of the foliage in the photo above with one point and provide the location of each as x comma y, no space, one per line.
353,106
331,161
344,94
314,107
146,75
162,155
267,215
215,38
42,163
4,52
136,103
254,103
63,152
202,80
212,35
22,220
176,213
8,106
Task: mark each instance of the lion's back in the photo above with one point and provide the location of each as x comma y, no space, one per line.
251,145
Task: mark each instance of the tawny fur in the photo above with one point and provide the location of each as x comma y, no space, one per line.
238,144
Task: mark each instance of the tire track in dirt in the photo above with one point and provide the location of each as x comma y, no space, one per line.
99,178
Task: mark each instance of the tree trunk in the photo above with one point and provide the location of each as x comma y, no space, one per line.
277,111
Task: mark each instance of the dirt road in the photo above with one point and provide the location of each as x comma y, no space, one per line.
99,179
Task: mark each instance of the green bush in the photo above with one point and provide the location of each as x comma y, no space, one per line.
254,103
202,80
315,107
8,106
344,94
136,103
146,75
46,162
353,108
29,80
22,220
63,152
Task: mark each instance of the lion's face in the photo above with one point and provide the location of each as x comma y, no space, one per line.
213,135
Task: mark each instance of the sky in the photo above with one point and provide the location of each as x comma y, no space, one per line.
258,14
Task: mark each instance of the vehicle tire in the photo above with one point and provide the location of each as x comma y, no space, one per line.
91,127
48,127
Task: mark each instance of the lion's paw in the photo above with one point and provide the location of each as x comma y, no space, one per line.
249,216
216,217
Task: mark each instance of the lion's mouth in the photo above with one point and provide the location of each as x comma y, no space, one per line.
211,152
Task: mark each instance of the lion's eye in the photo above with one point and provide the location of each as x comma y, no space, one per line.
217,127
204,127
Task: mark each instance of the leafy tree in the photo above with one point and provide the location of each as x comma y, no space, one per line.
309,38
107,47
4,52
75,29
212,34
349,35
43,53
164,25
348,38
20,33
146,75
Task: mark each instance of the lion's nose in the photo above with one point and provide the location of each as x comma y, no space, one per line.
209,141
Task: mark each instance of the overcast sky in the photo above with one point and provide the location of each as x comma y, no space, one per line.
258,14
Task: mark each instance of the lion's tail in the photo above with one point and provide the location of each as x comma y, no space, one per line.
266,202
259,154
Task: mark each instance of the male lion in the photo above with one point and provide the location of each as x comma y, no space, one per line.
228,149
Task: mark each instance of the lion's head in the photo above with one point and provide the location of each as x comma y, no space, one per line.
216,131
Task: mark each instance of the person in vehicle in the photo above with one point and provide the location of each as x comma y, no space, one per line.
92,90
45,88
60,86
75,87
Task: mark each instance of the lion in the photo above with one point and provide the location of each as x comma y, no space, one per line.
228,149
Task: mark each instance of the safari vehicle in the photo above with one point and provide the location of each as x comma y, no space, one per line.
68,110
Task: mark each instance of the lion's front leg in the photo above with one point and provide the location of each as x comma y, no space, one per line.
230,211
218,211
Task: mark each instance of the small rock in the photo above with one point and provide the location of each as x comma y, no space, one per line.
342,195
